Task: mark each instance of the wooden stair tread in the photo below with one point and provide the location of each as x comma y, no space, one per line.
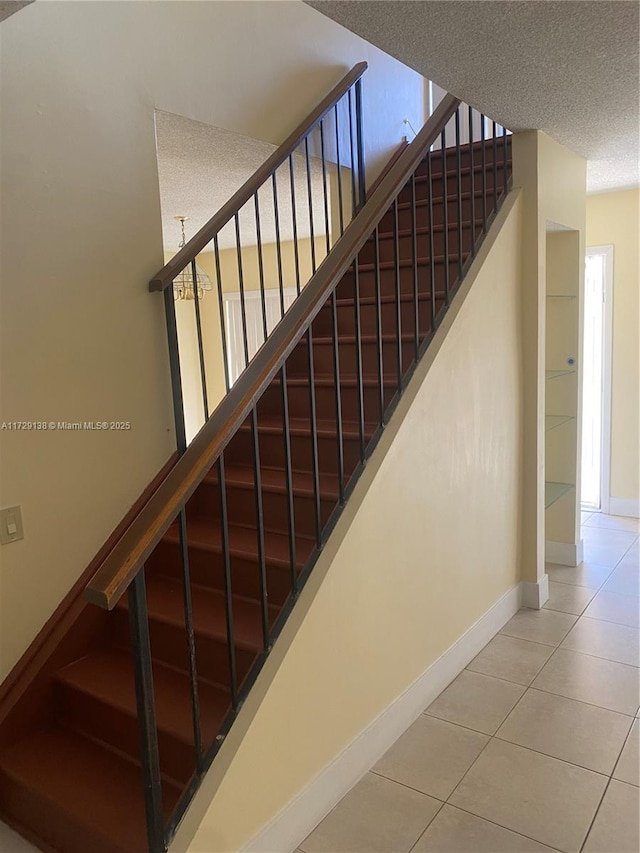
325,427
108,677
165,604
242,541
85,781
274,480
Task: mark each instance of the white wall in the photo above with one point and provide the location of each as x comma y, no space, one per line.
82,339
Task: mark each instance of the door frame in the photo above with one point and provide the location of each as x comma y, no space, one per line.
607,366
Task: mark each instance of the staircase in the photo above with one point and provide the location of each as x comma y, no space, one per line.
104,747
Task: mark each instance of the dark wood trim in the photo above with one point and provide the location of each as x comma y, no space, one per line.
69,609
394,157
129,554
205,235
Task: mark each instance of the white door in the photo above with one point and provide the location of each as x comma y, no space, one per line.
596,378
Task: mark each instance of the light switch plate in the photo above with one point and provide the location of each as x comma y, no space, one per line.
11,525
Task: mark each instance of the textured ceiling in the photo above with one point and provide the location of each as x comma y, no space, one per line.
200,167
567,68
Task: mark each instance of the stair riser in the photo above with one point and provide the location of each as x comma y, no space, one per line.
168,645
118,729
405,247
347,355
452,184
272,451
322,325
206,569
422,213
28,808
388,279
241,509
436,157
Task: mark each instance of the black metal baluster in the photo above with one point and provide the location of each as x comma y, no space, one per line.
356,307
278,246
310,200
432,256
223,334
228,592
263,298
396,274
445,218
414,266
146,709
191,646
286,434
362,192
294,222
505,157
336,382
339,168
472,184
459,192
376,243
354,205
174,367
324,187
483,146
495,169
314,439
243,309
262,567
203,372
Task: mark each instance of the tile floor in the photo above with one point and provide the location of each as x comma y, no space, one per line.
535,745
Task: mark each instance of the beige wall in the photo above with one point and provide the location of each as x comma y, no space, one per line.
376,615
553,180
82,339
613,219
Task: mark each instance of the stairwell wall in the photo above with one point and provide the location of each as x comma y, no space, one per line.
82,339
427,544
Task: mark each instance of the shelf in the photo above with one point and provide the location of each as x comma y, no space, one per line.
560,296
554,491
554,374
553,421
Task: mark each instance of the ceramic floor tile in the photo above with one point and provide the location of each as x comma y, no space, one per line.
476,701
585,516
535,795
11,842
512,659
616,828
376,816
432,756
605,640
605,547
568,598
619,523
614,607
455,831
540,626
586,574
624,580
611,685
563,728
628,766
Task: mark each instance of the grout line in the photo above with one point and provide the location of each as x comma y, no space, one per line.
620,753
595,814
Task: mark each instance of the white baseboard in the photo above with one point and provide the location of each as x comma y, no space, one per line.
535,595
292,825
624,506
564,553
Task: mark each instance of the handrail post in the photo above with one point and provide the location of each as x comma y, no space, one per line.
145,702
362,190
174,364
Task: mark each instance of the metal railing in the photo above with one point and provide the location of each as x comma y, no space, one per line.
391,272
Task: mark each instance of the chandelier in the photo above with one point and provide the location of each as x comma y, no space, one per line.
183,282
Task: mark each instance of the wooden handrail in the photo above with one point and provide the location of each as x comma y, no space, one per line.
205,235
129,554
